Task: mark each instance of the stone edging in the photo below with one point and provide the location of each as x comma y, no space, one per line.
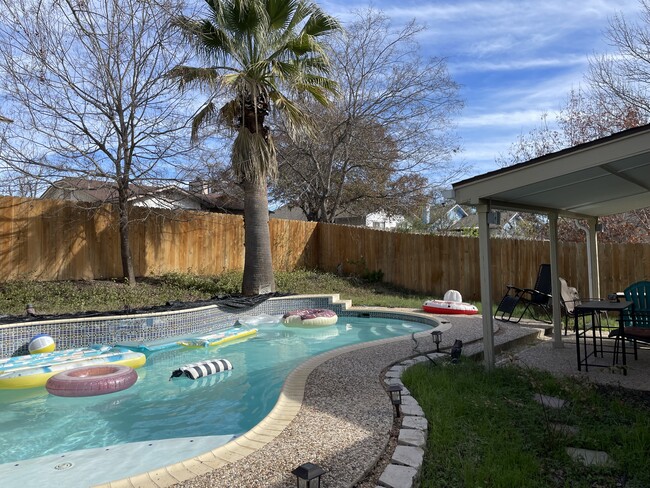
406,461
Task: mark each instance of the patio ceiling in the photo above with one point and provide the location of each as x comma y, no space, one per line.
602,177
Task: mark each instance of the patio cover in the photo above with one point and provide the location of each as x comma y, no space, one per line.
602,177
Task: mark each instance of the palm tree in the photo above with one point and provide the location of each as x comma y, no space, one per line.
258,52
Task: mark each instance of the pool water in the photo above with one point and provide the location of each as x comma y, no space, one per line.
34,423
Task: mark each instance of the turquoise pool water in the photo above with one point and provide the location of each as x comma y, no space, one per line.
34,423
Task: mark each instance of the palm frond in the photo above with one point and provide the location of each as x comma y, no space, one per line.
296,120
190,77
320,23
253,158
205,116
280,12
230,113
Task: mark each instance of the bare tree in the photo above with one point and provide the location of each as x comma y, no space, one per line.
583,118
540,140
85,84
621,79
385,139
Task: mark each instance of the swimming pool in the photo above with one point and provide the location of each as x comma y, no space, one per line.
215,409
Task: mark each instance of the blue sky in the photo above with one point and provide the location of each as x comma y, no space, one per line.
515,59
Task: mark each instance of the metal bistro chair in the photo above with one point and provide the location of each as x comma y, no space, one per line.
636,320
536,299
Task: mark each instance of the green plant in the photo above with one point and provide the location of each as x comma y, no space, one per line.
361,270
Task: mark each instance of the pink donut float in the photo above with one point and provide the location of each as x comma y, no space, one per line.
313,317
91,381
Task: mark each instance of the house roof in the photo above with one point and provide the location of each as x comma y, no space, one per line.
98,190
223,202
603,177
106,191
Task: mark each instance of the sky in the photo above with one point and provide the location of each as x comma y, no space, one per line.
514,59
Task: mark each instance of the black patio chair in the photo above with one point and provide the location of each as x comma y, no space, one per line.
536,299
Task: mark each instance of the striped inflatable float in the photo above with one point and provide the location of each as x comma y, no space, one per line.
204,368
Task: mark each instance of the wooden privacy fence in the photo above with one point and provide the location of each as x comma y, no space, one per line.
56,240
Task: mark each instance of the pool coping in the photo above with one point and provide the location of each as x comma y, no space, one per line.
278,419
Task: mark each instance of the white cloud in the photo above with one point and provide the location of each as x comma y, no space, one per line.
560,61
509,120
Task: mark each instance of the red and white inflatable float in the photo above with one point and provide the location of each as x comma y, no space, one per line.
451,304
91,381
447,307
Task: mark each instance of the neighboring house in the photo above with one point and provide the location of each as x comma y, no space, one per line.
507,225
455,218
289,213
375,220
510,226
456,213
167,197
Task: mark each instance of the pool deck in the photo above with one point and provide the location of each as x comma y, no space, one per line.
334,410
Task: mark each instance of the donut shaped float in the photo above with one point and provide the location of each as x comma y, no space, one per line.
311,317
91,381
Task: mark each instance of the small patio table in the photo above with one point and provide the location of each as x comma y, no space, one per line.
593,309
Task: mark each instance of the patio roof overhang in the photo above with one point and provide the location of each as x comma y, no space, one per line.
603,177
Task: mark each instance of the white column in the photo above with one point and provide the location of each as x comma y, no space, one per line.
555,283
592,256
486,285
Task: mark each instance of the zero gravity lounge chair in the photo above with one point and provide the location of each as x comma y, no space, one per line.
536,299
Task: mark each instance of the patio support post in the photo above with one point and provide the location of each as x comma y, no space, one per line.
555,282
593,270
486,285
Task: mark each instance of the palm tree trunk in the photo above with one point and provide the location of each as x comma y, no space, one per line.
258,263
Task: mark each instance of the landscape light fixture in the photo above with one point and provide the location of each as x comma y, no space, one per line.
395,392
456,350
308,475
437,338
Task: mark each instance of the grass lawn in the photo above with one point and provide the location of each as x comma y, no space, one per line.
74,296
486,430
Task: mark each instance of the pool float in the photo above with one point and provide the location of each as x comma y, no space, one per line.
217,339
312,317
26,375
204,368
449,307
452,303
261,319
14,362
91,381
